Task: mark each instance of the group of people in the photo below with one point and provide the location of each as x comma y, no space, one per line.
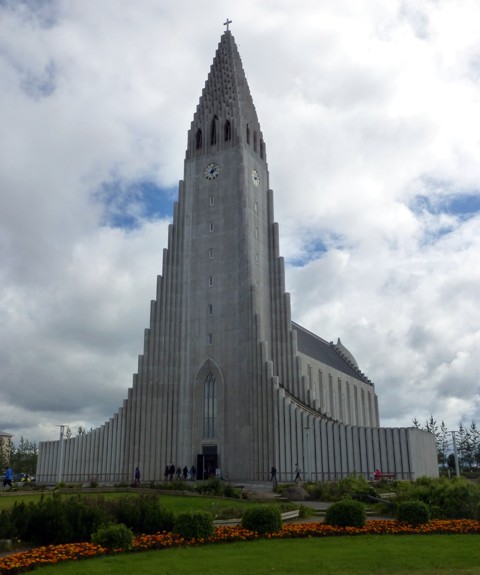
273,474
171,472
176,472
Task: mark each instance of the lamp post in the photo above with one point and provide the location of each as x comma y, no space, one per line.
457,466
61,453
308,468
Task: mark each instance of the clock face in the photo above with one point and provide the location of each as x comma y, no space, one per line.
212,171
255,178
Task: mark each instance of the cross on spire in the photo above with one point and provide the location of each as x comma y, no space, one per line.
227,23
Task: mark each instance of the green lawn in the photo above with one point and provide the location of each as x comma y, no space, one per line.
360,555
176,503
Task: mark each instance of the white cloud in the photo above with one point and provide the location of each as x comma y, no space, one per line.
366,108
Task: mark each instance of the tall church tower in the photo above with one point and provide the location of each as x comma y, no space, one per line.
220,269
227,381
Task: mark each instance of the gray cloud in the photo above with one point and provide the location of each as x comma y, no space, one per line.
366,110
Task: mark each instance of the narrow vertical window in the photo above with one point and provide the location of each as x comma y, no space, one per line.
262,149
248,134
212,200
210,281
210,309
210,339
256,233
227,131
211,226
213,131
210,253
256,258
198,139
255,207
209,407
254,141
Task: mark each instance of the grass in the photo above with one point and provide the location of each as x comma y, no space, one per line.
175,503
360,555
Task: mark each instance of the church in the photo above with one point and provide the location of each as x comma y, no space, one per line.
227,380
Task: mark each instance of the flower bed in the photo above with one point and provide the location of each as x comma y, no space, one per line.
27,560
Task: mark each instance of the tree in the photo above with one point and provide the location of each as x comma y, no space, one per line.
475,443
432,427
464,446
23,459
443,444
5,451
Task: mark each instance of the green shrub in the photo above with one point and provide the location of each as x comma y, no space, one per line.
230,491
43,523
84,515
413,512
338,490
346,513
461,499
6,528
142,514
57,519
455,498
213,486
262,519
113,536
194,525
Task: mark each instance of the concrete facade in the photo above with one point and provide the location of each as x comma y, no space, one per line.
227,381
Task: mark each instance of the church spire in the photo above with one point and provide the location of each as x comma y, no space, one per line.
225,116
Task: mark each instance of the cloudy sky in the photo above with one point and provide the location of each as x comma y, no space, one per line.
370,111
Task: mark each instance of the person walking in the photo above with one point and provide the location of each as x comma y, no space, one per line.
7,480
193,473
298,477
137,477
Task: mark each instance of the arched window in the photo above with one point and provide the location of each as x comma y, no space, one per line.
248,134
209,407
213,131
227,131
198,139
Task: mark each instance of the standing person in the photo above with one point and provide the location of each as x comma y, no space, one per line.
273,473
137,476
185,473
179,473
7,480
298,477
171,471
166,473
193,472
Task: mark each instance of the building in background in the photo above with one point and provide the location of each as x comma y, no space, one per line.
227,381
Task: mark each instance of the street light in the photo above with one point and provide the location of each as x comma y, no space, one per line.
308,469
61,454
454,440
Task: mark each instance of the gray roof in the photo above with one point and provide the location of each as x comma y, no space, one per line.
317,348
